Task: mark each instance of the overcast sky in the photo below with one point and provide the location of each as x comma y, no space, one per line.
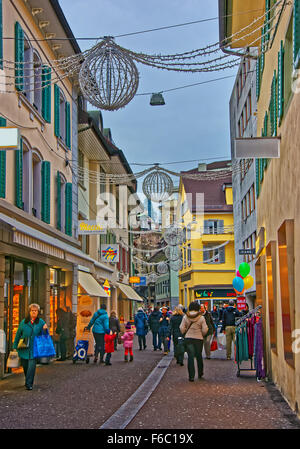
194,123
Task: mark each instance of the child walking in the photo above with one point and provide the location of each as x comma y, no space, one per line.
128,342
109,345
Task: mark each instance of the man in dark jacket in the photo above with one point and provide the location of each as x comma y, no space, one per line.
153,322
228,326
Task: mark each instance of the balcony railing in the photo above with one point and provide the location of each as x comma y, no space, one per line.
217,231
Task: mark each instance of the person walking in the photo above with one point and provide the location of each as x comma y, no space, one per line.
141,325
194,328
215,317
114,325
228,326
211,330
128,342
28,329
175,322
164,331
62,329
109,340
153,322
100,323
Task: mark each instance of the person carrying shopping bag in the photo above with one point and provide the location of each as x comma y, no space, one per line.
28,329
194,328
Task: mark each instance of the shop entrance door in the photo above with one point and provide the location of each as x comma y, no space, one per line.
17,296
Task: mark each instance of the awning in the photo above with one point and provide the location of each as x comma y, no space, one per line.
90,285
129,292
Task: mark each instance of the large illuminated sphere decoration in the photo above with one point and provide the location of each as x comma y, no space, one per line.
162,268
173,236
173,253
158,186
108,77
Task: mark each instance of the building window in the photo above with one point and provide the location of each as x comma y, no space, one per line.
37,83
189,255
28,68
272,297
36,184
213,256
81,168
62,116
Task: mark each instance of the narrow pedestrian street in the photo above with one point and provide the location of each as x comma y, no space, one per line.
84,396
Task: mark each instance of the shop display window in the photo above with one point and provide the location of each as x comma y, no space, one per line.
286,270
272,297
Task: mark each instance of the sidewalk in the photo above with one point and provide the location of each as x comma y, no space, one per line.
68,396
220,400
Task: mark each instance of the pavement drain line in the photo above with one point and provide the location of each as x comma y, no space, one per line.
125,414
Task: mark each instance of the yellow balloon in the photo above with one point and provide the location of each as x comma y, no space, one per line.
248,282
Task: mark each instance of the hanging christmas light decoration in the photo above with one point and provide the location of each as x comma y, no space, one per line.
173,236
176,265
162,268
152,278
108,76
173,253
158,186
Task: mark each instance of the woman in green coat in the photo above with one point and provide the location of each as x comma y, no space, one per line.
29,328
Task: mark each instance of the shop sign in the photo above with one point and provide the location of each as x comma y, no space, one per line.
214,293
9,138
134,280
110,253
90,227
241,303
106,287
247,252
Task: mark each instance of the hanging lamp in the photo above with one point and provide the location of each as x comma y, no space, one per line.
157,100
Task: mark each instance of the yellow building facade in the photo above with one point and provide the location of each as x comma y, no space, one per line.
278,191
206,215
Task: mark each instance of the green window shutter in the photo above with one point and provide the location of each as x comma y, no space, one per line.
262,64
296,33
19,57
46,93
258,76
46,170
68,125
268,18
56,110
58,201
257,177
68,205
280,83
1,36
265,134
2,164
274,100
19,176
261,170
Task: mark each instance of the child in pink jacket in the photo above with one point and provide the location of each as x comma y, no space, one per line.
128,342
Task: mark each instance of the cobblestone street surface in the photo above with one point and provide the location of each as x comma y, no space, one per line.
82,396
220,400
67,396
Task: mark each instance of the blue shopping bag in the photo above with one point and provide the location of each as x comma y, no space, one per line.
43,346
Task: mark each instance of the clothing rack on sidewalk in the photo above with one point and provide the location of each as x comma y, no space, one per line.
245,340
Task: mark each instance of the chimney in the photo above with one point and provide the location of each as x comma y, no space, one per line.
202,167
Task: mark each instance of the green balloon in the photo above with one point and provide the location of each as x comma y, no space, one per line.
244,269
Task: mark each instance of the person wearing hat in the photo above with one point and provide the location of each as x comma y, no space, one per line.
228,326
128,342
141,325
100,323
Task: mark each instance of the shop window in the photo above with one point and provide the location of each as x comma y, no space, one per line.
286,270
272,297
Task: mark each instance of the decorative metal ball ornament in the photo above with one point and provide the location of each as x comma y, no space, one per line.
152,278
158,186
173,236
108,77
173,253
177,265
162,268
